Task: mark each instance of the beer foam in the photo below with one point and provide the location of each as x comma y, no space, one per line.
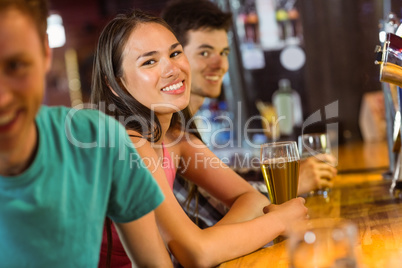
279,160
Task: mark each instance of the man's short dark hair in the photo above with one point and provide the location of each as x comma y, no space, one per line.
186,15
38,10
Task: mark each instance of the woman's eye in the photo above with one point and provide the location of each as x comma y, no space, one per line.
149,62
175,54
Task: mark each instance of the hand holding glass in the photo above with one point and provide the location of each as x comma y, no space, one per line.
311,145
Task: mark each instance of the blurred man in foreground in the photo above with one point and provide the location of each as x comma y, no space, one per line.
61,171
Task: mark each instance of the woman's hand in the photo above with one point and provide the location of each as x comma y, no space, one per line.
288,212
316,172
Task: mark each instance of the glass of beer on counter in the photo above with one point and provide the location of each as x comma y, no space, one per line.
280,169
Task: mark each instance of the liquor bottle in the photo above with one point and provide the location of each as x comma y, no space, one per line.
288,107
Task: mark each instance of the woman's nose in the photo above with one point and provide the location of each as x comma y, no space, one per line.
169,68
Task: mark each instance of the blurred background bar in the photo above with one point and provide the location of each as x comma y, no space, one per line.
323,48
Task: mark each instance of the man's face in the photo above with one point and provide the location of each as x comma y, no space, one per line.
207,51
24,61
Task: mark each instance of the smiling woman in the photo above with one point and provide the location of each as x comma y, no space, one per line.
140,65
142,77
164,66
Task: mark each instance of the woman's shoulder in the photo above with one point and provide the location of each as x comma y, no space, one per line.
182,140
179,136
138,140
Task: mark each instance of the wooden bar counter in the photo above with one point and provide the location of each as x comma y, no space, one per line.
360,194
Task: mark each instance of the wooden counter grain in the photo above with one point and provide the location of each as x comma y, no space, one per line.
361,197
360,156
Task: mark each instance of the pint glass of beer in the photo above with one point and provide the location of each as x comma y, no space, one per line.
280,168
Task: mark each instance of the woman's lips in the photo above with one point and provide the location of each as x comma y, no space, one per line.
177,88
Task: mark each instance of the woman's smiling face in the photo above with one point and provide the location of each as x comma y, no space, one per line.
155,70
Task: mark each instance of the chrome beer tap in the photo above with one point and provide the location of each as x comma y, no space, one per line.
390,59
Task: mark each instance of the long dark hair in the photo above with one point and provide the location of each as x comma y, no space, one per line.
120,104
108,70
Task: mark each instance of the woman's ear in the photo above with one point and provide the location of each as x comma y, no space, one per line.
111,89
123,83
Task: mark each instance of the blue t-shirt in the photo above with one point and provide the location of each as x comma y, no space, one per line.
85,169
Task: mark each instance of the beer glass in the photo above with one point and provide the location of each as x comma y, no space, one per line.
280,169
322,243
313,144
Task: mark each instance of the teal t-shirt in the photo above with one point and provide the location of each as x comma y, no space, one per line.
85,169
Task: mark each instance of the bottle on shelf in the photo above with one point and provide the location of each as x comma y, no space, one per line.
288,107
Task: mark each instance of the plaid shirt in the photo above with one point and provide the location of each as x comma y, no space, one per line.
210,210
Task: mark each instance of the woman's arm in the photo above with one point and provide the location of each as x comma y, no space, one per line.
194,247
143,243
205,169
